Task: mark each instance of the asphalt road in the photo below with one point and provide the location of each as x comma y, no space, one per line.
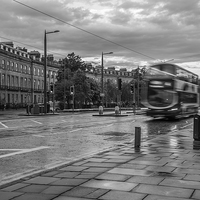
29,144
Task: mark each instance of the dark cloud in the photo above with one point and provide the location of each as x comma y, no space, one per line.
159,29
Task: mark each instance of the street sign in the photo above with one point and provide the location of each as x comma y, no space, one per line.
102,95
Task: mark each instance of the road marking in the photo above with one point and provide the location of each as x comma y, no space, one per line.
75,130
186,125
38,136
36,121
108,125
21,151
173,128
3,125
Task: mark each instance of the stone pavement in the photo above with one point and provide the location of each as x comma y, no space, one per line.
164,168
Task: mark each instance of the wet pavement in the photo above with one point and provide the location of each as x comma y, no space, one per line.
164,168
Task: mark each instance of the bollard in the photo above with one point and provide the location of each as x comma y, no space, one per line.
196,128
117,110
137,137
100,110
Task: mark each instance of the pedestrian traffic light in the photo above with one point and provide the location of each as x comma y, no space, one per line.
72,90
119,83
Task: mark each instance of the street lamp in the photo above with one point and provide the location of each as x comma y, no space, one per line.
102,90
45,67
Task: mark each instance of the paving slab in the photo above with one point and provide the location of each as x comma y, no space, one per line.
112,185
9,195
119,195
181,183
130,171
164,191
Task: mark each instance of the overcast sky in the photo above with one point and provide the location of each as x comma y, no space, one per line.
156,29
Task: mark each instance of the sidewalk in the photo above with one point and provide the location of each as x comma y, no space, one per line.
164,168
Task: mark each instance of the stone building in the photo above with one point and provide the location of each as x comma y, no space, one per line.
22,75
111,74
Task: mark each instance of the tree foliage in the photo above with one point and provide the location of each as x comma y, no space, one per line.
72,72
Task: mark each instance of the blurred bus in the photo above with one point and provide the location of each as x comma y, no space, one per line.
171,91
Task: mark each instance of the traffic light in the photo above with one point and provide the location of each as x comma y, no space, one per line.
51,87
72,90
119,83
132,88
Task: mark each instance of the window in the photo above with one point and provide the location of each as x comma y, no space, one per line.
12,81
12,66
17,81
21,82
42,73
34,86
29,70
188,97
29,83
21,68
25,82
38,72
16,67
34,71
25,69
8,80
8,65
38,84
3,79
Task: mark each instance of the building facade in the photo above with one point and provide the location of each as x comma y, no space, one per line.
111,74
22,75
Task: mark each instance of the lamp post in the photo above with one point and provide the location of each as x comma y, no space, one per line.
45,67
102,89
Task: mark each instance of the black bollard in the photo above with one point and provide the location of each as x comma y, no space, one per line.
137,137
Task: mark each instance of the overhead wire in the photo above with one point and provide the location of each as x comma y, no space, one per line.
81,29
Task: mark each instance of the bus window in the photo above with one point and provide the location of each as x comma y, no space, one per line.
156,67
160,97
168,68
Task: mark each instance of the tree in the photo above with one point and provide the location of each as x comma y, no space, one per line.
138,82
110,90
126,96
72,72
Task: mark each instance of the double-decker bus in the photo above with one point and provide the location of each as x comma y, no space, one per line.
171,91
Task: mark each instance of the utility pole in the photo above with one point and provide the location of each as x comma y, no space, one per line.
138,89
64,83
134,97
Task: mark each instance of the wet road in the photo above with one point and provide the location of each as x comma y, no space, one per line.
31,144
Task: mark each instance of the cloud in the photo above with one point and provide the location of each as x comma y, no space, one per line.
158,29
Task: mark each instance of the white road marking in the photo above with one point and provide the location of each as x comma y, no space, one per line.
36,121
3,125
173,128
108,125
21,151
75,130
186,125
